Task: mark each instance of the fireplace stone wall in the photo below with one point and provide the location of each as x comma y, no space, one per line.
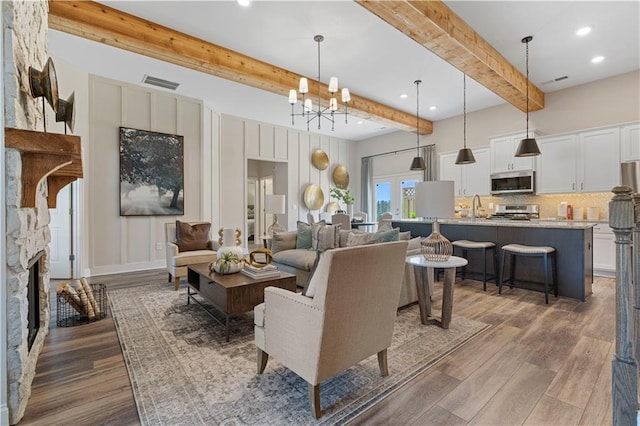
27,229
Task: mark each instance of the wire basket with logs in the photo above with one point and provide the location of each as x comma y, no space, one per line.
80,303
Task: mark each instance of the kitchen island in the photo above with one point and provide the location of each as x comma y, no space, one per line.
573,241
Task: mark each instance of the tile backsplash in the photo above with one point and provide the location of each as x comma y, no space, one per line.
549,202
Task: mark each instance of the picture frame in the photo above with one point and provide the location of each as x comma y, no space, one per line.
151,173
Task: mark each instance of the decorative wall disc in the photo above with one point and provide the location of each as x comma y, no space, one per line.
319,159
332,207
341,176
313,197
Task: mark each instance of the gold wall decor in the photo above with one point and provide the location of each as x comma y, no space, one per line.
313,197
319,159
341,176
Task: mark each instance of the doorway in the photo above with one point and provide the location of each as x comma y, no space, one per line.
263,178
396,195
62,259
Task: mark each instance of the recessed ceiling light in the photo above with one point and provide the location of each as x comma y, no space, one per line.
433,107
359,122
244,3
583,31
597,59
404,96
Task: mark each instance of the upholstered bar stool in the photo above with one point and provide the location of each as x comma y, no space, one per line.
466,245
544,252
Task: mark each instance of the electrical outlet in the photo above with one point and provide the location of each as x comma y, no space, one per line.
158,246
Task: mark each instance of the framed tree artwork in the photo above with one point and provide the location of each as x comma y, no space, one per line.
151,173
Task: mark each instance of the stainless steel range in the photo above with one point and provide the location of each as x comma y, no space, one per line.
516,212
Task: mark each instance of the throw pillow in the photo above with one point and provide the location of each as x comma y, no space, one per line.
325,237
192,237
358,239
303,240
386,236
404,236
283,241
414,243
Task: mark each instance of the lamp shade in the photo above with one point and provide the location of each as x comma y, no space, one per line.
275,204
528,147
417,164
435,199
465,156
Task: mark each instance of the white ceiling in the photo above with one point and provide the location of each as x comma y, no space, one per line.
368,56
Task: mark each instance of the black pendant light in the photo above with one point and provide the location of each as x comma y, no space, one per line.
528,147
418,162
465,155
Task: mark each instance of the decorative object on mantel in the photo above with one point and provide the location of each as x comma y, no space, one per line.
313,197
275,204
319,112
44,84
66,112
319,159
340,176
418,162
230,255
58,158
528,147
435,199
465,155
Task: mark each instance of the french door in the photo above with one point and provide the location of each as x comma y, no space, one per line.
396,195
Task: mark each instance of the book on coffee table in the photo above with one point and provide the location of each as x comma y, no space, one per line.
268,271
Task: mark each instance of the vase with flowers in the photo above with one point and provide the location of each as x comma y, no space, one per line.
344,195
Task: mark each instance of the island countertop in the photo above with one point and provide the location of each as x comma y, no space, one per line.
534,223
572,240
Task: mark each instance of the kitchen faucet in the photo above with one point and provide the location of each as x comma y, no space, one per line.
473,205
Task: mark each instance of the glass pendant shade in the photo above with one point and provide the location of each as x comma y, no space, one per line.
346,96
308,105
418,164
293,97
304,85
333,84
528,147
465,156
333,104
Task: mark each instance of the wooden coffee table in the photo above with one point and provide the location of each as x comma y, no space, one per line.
232,293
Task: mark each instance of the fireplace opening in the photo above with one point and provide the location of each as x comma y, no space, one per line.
33,299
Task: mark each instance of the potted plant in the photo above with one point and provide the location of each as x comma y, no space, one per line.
344,195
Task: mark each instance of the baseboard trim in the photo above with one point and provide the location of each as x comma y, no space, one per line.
4,415
602,273
130,267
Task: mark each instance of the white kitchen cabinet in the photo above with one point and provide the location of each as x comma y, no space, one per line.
630,142
557,165
502,151
582,162
604,250
469,179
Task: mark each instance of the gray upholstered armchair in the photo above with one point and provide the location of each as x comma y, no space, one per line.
348,315
178,260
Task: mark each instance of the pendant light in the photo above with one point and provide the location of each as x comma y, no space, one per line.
465,155
528,147
418,161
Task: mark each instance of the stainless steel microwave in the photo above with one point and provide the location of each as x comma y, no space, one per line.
520,182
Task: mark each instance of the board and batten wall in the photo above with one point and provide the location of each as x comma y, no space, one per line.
290,150
128,243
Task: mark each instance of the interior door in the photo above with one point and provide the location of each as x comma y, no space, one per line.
395,194
60,227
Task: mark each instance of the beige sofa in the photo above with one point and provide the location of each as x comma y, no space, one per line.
300,261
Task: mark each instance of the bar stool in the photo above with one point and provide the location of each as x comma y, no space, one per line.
466,245
545,252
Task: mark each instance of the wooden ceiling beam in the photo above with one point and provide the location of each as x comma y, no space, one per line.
437,28
110,26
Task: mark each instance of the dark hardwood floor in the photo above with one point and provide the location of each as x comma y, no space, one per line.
539,365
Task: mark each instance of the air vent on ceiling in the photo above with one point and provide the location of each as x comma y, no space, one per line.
160,82
555,80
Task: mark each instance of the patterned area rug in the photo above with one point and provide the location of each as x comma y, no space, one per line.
183,372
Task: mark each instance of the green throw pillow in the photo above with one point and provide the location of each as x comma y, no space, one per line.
386,236
304,236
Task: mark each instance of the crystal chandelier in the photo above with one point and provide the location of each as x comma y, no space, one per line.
311,111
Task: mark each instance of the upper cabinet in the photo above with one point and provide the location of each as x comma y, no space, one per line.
630,142
469,179
582,162
502,154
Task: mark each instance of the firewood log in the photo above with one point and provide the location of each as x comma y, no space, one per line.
71,297
90,295
85,302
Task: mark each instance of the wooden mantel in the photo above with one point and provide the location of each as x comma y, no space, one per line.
45,155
